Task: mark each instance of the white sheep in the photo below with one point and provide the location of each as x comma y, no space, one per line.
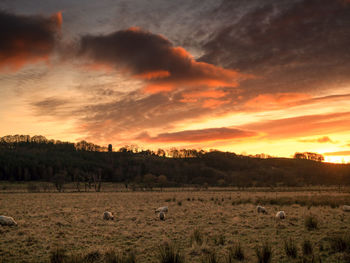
261,209
162,216
280,215
7,221
346,208
108,216
163,209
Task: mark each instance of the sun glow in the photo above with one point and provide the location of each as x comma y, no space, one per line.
337,159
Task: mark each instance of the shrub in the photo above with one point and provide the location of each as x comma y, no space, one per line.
311,222
179,203
235,253
307,247
168,253
264,254
290,248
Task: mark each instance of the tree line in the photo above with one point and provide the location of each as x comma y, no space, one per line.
87,166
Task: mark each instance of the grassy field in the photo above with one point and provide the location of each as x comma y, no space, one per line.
199,223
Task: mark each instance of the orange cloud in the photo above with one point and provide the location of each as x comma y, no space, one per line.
26,39
213,103
153,58
308,125
324,139
271,101
195,136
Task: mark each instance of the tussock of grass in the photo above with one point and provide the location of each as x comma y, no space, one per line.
311,222
307,247
219,240
112,257
197,237
340,243
168,253
264,253
211,257
60,256
235,253
290,248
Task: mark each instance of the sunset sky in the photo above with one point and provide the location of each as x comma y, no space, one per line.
249,77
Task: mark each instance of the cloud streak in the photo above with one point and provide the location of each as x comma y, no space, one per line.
196,136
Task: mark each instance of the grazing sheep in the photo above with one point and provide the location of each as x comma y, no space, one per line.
108,216
346,208
163,209
7,221
162,216
281,215
261,209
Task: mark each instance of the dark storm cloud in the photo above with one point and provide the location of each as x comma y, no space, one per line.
195,136
26,39
154,59
294,45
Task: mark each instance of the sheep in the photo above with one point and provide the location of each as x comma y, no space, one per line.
261,209
108,216
163,209
162,216
346,208
280,215
7,221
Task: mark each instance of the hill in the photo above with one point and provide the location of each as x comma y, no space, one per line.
27,159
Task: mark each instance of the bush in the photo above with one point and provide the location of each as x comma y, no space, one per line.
290,248
307,247
168,253
264,254
311,222
179,203
235,253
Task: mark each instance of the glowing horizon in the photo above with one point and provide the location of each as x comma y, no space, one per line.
207,77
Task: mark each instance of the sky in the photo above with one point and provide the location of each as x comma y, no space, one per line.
248,77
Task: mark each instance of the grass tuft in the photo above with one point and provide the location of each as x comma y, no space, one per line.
264,253
58,256
211,257
235,253
290,248
311,222
307,247
168,253
197,237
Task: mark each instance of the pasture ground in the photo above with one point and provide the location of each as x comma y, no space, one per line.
73,221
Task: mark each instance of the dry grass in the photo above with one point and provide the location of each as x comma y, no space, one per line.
73,222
